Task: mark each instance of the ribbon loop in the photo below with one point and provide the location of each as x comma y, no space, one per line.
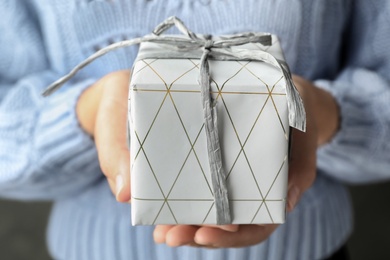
174,21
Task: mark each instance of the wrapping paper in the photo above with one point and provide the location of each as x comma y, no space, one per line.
171,180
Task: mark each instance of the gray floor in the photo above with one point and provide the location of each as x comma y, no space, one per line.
22,230
22,226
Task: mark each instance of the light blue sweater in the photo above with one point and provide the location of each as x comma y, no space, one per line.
342,45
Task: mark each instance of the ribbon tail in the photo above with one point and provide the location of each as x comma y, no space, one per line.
57,84
168,23
297,114
218,176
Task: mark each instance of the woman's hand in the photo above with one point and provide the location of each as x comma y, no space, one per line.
322,119
102,113
212,236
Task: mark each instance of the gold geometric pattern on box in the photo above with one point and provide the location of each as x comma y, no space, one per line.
171,181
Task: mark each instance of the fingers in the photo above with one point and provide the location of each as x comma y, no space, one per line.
160,233
302,169
247,235
302,165
212,237
175,235
110,133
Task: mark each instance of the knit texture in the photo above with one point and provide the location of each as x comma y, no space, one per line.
44,154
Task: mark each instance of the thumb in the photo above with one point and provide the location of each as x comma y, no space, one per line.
110,133
302,165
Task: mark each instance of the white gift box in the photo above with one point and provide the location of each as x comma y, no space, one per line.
213,152
170,175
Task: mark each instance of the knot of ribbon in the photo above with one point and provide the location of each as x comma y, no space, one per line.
205,48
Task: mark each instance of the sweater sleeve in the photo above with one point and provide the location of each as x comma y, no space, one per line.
359,152
44,154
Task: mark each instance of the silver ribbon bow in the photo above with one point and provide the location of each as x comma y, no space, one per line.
189,47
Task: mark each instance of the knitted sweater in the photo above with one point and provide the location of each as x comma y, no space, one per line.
341,45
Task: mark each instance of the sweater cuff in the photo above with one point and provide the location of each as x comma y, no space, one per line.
58,117
61,142
354,153
53,156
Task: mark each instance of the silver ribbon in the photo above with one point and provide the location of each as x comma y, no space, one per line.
203,47
218,175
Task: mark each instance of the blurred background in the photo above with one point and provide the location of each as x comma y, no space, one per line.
22,226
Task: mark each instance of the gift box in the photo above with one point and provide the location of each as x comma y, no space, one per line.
209,127
171,181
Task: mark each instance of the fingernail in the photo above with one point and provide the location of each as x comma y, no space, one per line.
158,237
229,228
293,195
119,185
200,240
